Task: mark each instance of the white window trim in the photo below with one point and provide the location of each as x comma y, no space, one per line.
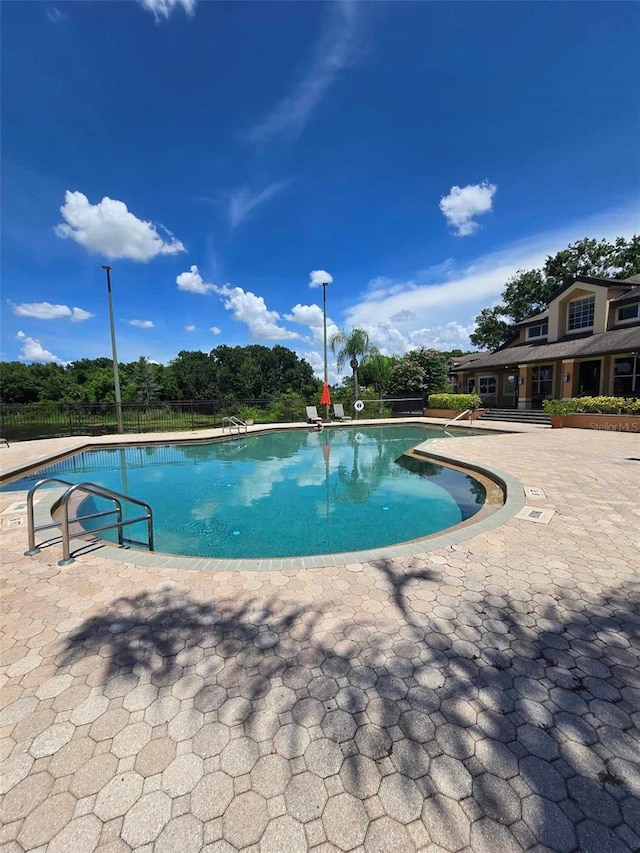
629,319
537,337
581,328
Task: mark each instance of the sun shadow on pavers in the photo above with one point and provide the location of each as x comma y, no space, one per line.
489,721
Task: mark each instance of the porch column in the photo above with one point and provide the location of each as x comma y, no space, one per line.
524,386
568,388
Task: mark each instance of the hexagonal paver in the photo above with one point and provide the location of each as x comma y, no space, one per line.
360,776
46,821
373,741
239,756
89,710
385,835
488,836
339,726
25,796
446,822
163,710
51,740
245,819
345,821
450,777
283,835
93,775
146,819
81,834
292,740
109,724
155,756
271,775
185,724
140,697
496,798
182,775
131,739
410,759
549,824
323,757
184,833
305,797
211,796
118,795
401,798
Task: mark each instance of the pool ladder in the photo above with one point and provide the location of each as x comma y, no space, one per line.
234,423
97,491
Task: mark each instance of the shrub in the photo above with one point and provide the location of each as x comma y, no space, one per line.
592,406
457,402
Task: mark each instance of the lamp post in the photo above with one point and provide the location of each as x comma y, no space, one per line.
116,377
324,317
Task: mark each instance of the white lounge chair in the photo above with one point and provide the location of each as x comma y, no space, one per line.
312,415
338,412
4,441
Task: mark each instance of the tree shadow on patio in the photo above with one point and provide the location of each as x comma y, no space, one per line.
501,720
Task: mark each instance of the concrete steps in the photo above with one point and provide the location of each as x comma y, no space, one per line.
520,416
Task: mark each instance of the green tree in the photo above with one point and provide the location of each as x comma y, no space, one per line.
351,346
528,292
376,370
145,377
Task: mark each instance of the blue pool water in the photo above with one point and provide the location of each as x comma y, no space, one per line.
282,494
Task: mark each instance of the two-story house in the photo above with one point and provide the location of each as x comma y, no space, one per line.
586,343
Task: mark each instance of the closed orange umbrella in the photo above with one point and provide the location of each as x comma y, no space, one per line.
325,400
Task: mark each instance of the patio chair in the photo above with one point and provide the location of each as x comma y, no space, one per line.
312,415
338,412
4,441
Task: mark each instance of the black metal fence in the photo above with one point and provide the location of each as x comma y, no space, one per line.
20,422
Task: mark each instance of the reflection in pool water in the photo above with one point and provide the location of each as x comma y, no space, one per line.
283,494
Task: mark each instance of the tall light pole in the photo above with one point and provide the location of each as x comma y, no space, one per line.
116,376
324,317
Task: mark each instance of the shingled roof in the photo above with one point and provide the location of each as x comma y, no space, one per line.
617,340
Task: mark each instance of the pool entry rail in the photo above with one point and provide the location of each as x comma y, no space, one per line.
96,491
233,422
457,418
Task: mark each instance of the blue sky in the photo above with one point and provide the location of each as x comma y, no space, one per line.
216,154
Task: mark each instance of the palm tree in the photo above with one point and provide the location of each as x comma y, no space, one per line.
351,347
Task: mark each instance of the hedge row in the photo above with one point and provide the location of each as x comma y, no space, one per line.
457,402
593,406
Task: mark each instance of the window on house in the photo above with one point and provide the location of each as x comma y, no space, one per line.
628,312
626,376
542,380
580,313
539,331
487,386
471,386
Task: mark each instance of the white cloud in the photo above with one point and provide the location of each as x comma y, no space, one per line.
464,203
141,324
243,202
32,350
55,15
190,328
47,311
110,229
193,282
445,308
316,360
163,8
319,277
311,316
252,310
335,51
215,330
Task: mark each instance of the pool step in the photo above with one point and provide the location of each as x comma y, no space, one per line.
520,416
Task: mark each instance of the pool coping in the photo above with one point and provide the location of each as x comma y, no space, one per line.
514,501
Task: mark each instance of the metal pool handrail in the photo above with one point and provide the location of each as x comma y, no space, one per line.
97,491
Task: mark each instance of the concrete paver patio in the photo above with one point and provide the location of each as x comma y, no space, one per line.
478,697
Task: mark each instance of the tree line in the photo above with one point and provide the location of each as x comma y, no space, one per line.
226,373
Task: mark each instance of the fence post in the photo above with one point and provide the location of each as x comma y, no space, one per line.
193,416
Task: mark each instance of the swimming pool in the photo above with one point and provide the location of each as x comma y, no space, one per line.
283,494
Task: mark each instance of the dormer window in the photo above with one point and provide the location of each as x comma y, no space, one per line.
580,314
628,312
541,330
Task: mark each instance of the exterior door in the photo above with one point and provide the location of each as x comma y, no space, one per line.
509,389
589,378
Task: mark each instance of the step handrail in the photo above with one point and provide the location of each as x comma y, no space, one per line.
97,491
233,421
457,418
